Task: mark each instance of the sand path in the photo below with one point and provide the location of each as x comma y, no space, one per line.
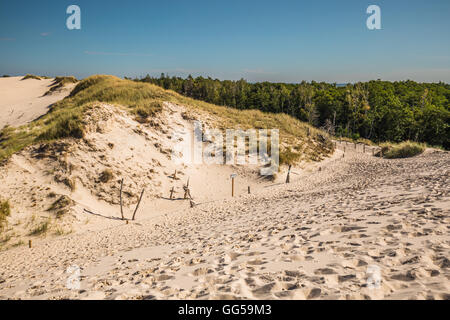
326,235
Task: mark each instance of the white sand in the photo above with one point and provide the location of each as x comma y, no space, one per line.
22,101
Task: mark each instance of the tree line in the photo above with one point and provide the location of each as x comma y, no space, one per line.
375,110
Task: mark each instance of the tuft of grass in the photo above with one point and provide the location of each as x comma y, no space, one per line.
41,228
145,110
31,76
402,150
106,176
5,211
62,203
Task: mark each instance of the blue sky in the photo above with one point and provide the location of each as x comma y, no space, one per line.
286,41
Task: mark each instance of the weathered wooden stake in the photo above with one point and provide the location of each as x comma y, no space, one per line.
29,243
171,193
186,189
139,202
364,148
355,145
127,222
288,178
249,190
232,186
175,175
121,203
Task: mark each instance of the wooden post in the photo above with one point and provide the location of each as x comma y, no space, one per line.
344,149
186,189
139,202
175,175
248,189
364,148
232,186
127,222
171,193
355,145
288,178
121,203
29,243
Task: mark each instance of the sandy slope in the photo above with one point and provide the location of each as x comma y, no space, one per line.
312,239
22,101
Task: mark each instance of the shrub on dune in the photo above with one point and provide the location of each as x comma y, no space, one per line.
402,150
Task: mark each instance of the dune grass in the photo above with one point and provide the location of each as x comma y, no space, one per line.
5,211
59,83
31,76
66,118
405,149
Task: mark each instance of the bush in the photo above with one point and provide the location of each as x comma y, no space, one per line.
402,150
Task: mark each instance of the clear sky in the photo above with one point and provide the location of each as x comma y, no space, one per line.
286,41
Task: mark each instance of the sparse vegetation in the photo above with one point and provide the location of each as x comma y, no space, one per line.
5,211
61,203
106,176
402,150
146,110
31,76
59,83
40,229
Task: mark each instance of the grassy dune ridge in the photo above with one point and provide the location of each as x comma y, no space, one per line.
66,118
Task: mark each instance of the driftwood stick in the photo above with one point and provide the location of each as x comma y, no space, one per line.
137,206
121,203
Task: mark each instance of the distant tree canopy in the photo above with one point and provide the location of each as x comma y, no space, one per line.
375,110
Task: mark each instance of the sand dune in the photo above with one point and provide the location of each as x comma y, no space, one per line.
22,101
319,237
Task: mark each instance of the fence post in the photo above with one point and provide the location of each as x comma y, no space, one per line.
288,179
139,202
121,203
171,193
